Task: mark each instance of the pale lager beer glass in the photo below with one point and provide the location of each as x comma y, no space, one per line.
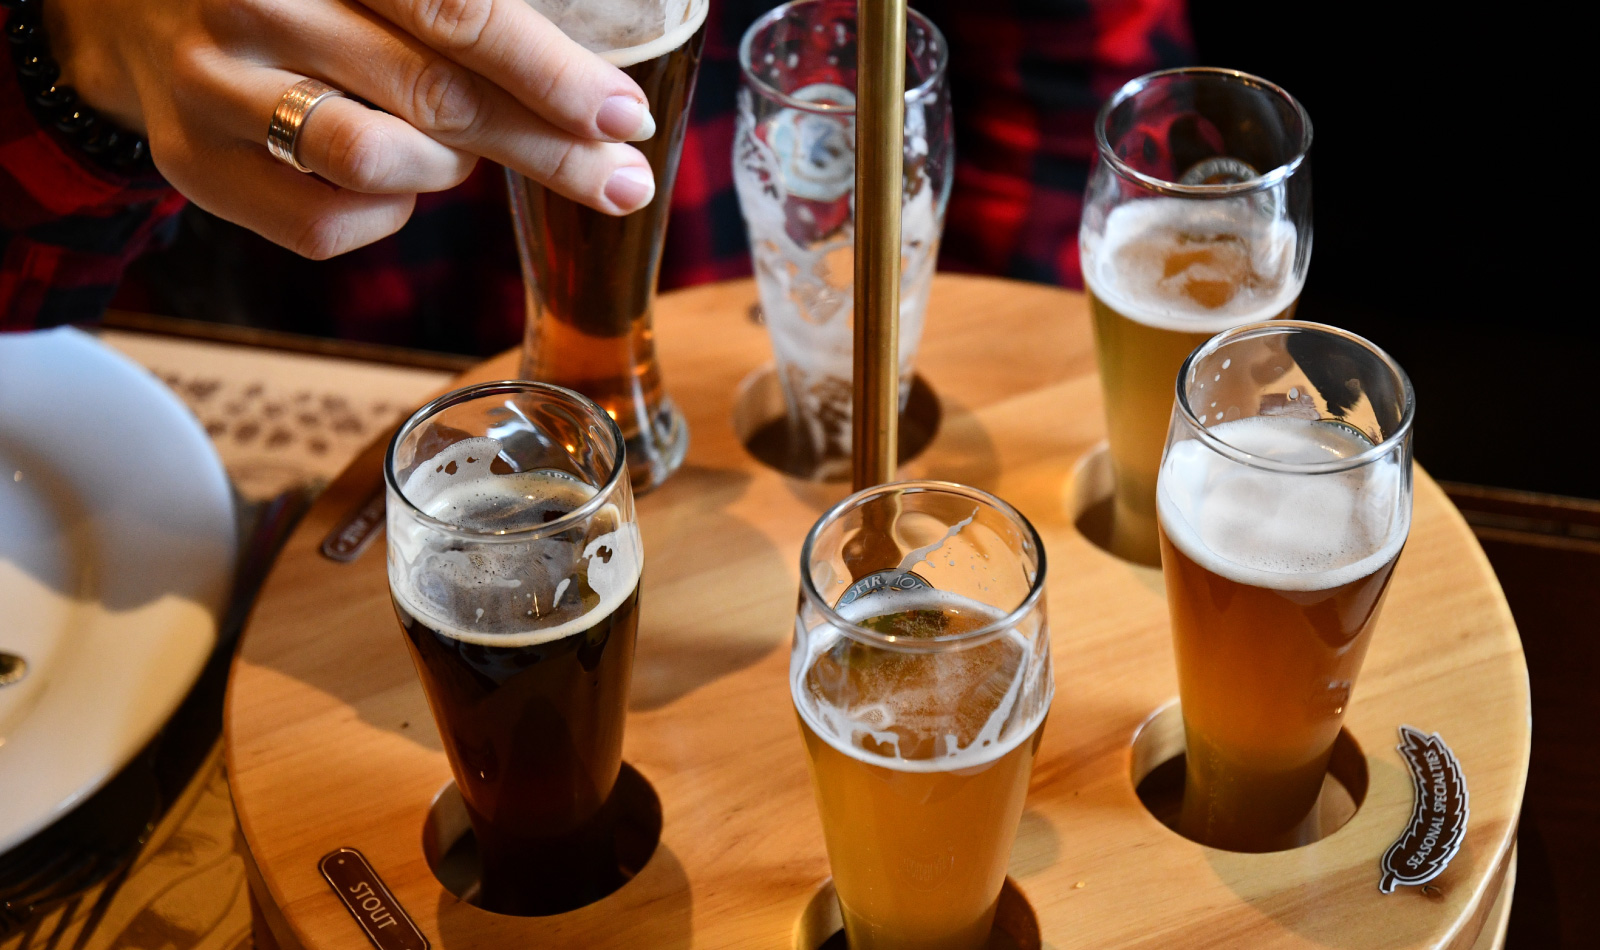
1284,499
514,563
921,675
591,277
1197,219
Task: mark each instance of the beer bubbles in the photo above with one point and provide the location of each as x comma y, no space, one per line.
518,592
639,31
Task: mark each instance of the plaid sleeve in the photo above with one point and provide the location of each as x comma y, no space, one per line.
1026,79
67,228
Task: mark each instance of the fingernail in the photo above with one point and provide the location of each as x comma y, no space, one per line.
630,188
625,119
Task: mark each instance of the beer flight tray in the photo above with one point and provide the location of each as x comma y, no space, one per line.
334,759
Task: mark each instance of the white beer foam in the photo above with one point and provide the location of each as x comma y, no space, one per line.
457,483
840,727
625,32
1137,286
1280,531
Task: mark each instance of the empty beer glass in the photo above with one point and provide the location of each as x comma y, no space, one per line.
1284,499
1197,218
514,563
794,168
921,675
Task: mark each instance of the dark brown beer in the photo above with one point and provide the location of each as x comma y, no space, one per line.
594,275
530,703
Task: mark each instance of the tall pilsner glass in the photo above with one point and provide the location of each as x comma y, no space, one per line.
514,563
921,675
794,165
591,277
1284,501
1197,219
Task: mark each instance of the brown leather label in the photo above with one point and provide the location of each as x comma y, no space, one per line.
369,901
1438,813
349,538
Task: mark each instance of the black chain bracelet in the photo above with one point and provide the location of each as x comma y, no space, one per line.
57,106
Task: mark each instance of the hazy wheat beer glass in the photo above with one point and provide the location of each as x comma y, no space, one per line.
1284,500
921,675
590,277
1197,218
514,563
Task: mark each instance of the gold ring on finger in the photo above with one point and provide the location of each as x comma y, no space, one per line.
283,132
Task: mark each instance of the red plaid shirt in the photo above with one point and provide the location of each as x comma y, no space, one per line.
1026,79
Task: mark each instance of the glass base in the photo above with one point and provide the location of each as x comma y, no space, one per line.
655,453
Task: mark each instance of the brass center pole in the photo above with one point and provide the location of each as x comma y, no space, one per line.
880,129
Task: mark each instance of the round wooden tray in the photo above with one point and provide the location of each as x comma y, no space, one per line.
330,742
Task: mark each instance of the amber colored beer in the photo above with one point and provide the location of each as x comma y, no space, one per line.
1167,275
593,275
1274,581
919,832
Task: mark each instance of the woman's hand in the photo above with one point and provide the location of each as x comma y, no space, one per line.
458,79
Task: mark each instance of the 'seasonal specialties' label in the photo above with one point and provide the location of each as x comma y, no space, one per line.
1438,815
368,899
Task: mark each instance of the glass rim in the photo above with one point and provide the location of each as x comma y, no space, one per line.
624,56
921,91
1271,178
939,644
578,515
1376,452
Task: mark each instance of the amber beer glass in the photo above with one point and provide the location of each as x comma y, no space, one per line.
514,563
921,675
1197,218
591,277
1284,499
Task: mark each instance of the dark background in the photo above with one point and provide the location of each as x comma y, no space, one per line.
1447,226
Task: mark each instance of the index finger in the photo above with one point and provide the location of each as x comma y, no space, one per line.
515,47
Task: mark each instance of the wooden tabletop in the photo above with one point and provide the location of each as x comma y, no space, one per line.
331,745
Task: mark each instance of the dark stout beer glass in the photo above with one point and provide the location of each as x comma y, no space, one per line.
921,675
591,277
1197,218
1284,499
514,563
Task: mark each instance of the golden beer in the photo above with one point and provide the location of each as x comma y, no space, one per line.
1166,275
1274,581
920,796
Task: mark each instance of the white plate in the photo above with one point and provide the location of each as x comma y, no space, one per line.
116,555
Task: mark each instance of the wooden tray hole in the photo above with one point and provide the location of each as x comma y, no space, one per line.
451,849
1158,766
1089,502
821,927
761,422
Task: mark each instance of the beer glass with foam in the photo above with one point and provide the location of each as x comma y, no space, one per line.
514,563
1284,499
794,166
921,675
590,278
1197,218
